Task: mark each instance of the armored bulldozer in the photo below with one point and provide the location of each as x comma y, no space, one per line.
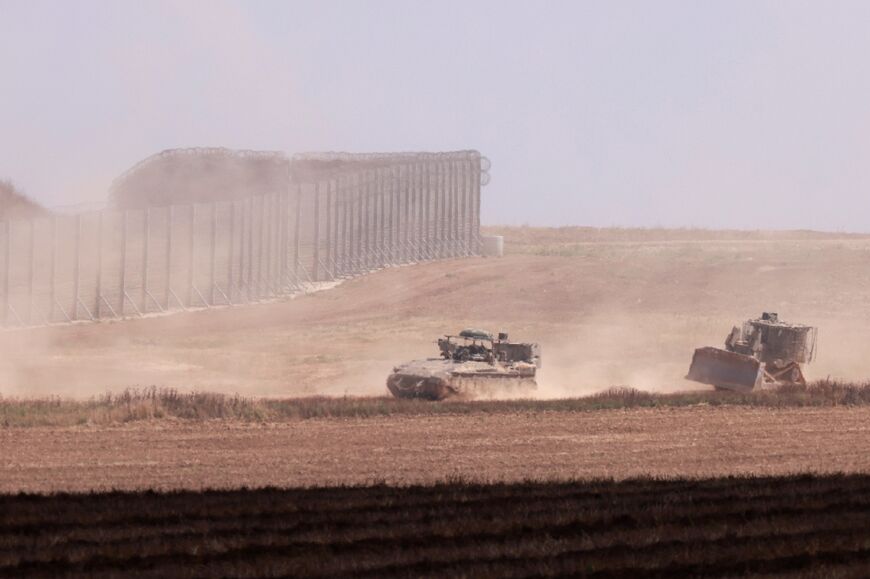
472,365
762,353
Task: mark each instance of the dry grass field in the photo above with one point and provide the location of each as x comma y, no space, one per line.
483,447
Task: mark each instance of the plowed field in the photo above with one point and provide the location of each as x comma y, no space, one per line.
694,441
793,527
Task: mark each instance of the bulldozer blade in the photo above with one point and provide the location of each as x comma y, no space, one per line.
724,369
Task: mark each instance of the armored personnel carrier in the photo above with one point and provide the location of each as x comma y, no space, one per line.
472,365
764,352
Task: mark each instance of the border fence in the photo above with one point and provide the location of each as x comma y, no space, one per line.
336,216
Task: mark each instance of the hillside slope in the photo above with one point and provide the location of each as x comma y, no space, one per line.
15,205
625,310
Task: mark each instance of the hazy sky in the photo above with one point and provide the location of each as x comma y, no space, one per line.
717,114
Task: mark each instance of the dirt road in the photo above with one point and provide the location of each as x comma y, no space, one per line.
663,442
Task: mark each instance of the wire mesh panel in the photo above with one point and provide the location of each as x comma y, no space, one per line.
306,233
339,215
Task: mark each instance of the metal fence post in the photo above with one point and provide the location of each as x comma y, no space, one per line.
261,250
376,250
276,240
371,216
463,206
421,208
347,224
52,290
146,238
472,248
277,219
442,209
357,223
469,186
458,213
76,265
296,231
191,252
122,281
316,257
407,184
377,218
211,252
336,229
390,214
281,219
268,230
397,219
358,218
455,214
336,214
167,289
339,226
427,208
242,222
275,224
360,222
250,284
364,220
435,192
230,252
475,191
328,248
368,240
415,211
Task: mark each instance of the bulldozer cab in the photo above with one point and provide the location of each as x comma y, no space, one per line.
772,341
763,351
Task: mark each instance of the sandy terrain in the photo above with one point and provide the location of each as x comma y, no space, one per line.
610,307
667,442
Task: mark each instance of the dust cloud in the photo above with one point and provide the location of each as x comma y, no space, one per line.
622,314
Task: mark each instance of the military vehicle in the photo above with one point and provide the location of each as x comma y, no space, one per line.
472,365
762,353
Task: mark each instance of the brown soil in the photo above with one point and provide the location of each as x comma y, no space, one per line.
797,527
610,307
696,441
